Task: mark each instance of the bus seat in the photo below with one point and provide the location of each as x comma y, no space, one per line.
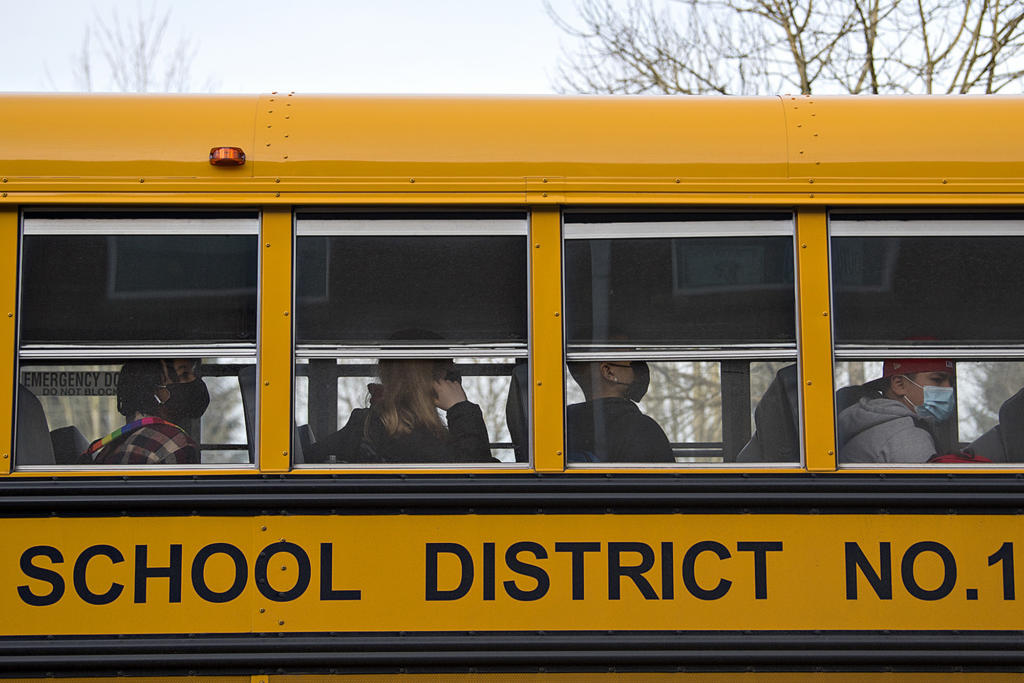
302,438
247,386
776,422
68,444
33,446
517,413
1005,441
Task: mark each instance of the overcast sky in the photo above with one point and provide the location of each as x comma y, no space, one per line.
345,46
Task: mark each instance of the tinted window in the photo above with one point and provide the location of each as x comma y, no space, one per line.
928,288
679,290
137,287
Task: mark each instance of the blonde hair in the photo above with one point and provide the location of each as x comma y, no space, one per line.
406,399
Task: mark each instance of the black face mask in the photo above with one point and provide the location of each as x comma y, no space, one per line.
641,381
187,400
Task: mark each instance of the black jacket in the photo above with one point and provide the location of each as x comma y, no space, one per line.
364,440
614,430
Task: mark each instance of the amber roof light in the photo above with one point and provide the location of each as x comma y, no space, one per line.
227,156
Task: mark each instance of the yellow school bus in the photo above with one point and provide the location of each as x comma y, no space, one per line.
710,385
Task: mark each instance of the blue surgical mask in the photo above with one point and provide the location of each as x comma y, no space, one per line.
939,402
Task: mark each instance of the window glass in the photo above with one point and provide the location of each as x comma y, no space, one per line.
328,392
137,339
360,280
927,324
705,408
676,327
74,413
713,282
411,333
88,280
929,280
880,424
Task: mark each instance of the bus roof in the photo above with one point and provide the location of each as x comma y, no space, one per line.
328,143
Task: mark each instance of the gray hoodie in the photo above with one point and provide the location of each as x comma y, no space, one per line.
882,430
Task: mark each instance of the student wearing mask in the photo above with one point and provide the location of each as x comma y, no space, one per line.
156,397
900,425
608,426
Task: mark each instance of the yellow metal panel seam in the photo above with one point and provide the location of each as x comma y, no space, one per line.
546,357
8,304
275,359
815,337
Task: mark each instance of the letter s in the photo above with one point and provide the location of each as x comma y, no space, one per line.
33,572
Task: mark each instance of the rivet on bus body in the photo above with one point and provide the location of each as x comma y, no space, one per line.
545,194
824,314
286,314
5,456
558,452
678,181
538,384
263,610
537,246
556,314
5,180
831,452
808,382
285,156
412,180
263,528
285,454
543,180
280,623
277,180
10,315
810,180
803,246
267,245
277,194
142,180
944,181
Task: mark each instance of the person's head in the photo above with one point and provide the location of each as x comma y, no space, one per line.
925,385
611,379
406,398
170,389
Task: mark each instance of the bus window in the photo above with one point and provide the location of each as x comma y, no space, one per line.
411,330
676,326
137,333
928,360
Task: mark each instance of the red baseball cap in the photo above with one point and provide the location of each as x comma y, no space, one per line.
910,366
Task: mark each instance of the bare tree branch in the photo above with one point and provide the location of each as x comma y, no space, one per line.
771,46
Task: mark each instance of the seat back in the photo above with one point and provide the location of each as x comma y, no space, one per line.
32,445
247,386
776,422
517,410
68,445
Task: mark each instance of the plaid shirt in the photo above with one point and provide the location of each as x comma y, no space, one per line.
154,444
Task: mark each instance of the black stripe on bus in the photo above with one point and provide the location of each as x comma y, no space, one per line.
514,494
530,651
